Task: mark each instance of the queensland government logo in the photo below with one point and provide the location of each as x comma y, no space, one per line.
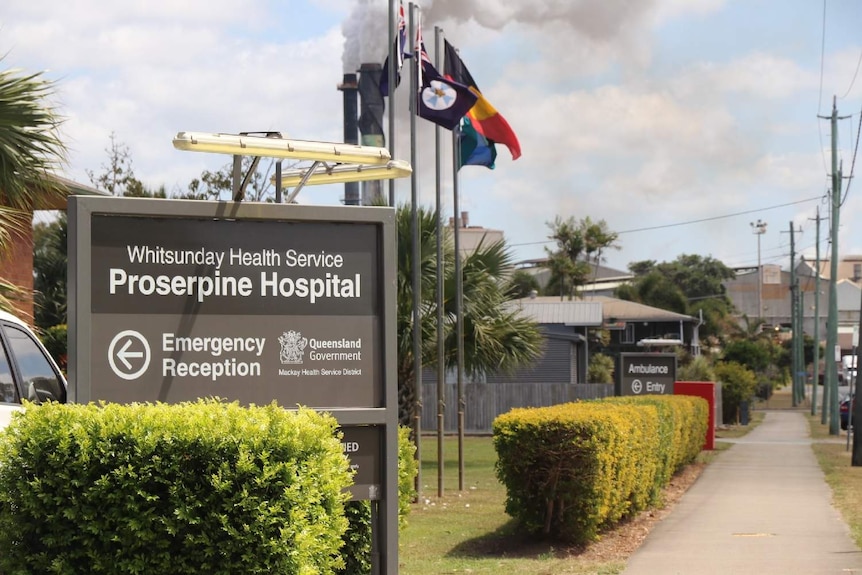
292,347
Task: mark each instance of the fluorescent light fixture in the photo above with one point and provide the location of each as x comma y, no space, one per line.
271,147
342,173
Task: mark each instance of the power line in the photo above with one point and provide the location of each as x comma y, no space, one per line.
855,149
713,218
678,224
853,81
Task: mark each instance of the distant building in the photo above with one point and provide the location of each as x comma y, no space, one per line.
602,280
471,237
776,295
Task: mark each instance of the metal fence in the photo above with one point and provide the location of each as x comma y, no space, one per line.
485,401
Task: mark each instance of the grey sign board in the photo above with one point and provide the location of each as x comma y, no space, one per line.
174,300
248,309
646,374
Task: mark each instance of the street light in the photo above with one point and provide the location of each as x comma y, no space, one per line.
277,147
339,173
759,228
331,161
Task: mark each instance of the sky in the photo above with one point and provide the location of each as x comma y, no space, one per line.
680,123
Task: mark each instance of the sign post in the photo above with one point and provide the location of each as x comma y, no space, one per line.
174,300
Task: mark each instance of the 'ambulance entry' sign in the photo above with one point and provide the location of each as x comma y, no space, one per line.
646,374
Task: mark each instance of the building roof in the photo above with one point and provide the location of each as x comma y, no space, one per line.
72,188
597,272
614,309
548,310
592,311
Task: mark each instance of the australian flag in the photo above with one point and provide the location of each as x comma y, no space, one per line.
401,51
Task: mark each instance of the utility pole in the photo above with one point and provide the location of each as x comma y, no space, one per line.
815,379
794,321
831,379
855,413
794,318
800,344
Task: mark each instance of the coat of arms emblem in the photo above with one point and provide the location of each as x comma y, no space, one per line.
292,347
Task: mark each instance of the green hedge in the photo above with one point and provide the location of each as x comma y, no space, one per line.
204,487
682,429
572,470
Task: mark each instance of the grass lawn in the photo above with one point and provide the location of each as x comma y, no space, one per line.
845,480
468,531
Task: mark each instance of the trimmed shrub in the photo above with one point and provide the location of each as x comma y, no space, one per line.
204,487
738,385
575,469
571,469
600,369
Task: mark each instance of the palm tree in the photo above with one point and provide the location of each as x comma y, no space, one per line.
30,150
577,244
495,339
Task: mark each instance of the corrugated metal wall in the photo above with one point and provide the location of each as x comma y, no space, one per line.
485,401
553,367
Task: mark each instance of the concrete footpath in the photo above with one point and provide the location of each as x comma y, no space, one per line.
761,507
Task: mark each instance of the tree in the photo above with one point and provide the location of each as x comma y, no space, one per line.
30,151
218,185
696,283
578,245
522,284
656,290
494,337
117,176
49,272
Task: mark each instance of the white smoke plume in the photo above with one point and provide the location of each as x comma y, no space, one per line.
366,29
596,19
366,34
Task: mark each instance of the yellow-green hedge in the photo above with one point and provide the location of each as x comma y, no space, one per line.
574,469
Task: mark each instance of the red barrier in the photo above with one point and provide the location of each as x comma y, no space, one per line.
706,390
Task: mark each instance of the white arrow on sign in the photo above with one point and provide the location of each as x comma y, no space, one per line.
126,371
124,354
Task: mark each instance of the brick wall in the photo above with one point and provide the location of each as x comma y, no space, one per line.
17,268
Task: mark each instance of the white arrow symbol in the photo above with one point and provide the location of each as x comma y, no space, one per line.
124,354
127,337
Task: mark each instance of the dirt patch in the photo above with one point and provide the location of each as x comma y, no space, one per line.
619,543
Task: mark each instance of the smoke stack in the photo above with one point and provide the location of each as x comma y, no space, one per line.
350,89
465,219
371,120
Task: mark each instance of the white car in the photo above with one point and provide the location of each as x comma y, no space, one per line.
27,370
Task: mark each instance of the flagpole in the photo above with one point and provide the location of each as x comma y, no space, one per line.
441,358
459,296
417,280
391,71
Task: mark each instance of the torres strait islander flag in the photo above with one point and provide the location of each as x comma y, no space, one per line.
485,119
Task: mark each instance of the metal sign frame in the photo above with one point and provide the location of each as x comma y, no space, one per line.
363,422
